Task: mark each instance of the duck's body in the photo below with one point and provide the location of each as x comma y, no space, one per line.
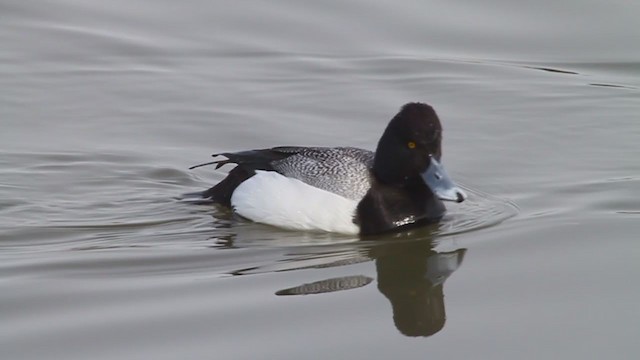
344,189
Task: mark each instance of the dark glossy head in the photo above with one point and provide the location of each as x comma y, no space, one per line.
409,181
412,137
411,148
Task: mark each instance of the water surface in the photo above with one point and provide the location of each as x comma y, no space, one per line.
104,106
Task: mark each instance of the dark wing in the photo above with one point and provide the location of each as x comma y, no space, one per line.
342,170
252,159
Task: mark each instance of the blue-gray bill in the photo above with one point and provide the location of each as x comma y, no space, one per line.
440,183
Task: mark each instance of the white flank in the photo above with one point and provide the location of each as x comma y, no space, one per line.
274,199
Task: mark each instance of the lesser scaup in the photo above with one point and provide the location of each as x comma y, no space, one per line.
344,189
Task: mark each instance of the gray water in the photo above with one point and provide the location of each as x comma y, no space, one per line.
105,105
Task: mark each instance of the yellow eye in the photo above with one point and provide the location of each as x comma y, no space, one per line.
411,145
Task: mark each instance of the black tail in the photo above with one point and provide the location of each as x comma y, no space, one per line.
248,162
222,191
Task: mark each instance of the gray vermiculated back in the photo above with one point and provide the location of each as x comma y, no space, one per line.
343,170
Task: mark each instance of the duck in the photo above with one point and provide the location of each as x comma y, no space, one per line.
344,190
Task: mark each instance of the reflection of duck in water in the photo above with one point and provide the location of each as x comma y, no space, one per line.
410,274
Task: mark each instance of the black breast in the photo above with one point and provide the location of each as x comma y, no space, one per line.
386,207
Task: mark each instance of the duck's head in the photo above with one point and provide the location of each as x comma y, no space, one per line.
410,150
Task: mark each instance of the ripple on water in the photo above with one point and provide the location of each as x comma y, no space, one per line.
481,210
